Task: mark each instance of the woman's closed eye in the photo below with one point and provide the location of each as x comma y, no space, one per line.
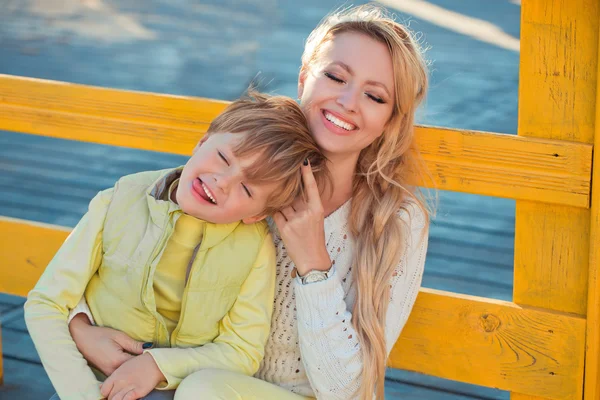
371,96
333,77
376,99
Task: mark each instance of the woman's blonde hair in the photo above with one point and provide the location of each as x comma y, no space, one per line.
275,128
380,190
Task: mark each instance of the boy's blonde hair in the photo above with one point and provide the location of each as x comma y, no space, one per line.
277,130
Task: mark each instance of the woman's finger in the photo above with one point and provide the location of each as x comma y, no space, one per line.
288,213
279,219
299,204
310,185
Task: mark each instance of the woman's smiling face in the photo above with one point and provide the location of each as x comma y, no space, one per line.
347,93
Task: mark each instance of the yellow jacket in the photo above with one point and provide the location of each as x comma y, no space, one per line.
111,256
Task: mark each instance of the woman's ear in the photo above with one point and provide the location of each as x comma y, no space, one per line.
301,80
252,220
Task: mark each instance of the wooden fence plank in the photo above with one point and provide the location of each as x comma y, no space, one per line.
592,360
492,343
559,44
32,245
474,162
557,91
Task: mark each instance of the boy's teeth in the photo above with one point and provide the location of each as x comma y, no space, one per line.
339,122
208,193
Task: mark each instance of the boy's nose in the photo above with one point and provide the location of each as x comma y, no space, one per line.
224,182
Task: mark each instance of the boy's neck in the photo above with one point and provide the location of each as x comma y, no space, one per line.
342,170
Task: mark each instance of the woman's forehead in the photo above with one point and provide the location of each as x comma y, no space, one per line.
366,57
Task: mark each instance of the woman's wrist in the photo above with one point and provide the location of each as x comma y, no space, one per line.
323,263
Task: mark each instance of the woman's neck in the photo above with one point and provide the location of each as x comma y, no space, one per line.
342,170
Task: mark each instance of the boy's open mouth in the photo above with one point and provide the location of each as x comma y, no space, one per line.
203,191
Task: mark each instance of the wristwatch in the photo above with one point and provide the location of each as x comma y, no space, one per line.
312,276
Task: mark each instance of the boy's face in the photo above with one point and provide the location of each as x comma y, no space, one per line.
213,186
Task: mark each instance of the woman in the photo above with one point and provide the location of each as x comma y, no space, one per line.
350,263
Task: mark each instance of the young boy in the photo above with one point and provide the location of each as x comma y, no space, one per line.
178,257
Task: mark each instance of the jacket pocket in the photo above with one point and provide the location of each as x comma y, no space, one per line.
203,311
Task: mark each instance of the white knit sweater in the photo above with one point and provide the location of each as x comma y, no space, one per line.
313,349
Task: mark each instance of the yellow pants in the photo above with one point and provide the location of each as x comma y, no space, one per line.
213,384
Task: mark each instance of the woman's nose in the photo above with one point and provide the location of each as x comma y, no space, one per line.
348,98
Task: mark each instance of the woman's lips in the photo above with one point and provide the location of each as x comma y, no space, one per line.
333,127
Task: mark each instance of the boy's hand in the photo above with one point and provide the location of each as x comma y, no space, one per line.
133,380
104,348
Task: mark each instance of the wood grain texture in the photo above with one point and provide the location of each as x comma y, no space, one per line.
559,44
465,161
493,343
507,166
466,338
592,360
557,92
32,245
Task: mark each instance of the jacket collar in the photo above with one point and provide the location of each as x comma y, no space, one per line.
161,208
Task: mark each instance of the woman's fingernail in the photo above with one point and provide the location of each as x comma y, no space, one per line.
305,161
147,345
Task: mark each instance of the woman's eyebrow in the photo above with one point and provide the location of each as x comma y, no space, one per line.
346,67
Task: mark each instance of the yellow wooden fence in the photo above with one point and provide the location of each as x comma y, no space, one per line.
546,343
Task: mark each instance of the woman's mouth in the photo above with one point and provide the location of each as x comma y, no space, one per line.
336,124
203,191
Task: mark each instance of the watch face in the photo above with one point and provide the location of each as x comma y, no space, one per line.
315,276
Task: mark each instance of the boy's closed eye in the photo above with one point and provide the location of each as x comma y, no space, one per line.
225,159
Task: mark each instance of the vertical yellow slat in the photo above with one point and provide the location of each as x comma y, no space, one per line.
557,92
592,360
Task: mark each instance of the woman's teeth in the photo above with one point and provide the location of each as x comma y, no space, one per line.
208,193
339,122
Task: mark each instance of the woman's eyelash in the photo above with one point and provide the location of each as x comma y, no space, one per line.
223,157
333,77
338,80
375,98
247,190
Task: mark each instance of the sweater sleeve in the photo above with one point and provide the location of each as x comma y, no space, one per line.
59,289
328,342
243,331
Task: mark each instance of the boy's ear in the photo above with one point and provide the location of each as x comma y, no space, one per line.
252,220
200,143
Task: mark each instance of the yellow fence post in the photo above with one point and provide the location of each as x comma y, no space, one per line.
557,92
592,360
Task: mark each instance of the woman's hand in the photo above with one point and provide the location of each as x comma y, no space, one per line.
301,227
104,348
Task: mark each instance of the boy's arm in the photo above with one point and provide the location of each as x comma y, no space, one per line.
59,289
243,331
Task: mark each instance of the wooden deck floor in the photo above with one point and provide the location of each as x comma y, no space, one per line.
213,49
